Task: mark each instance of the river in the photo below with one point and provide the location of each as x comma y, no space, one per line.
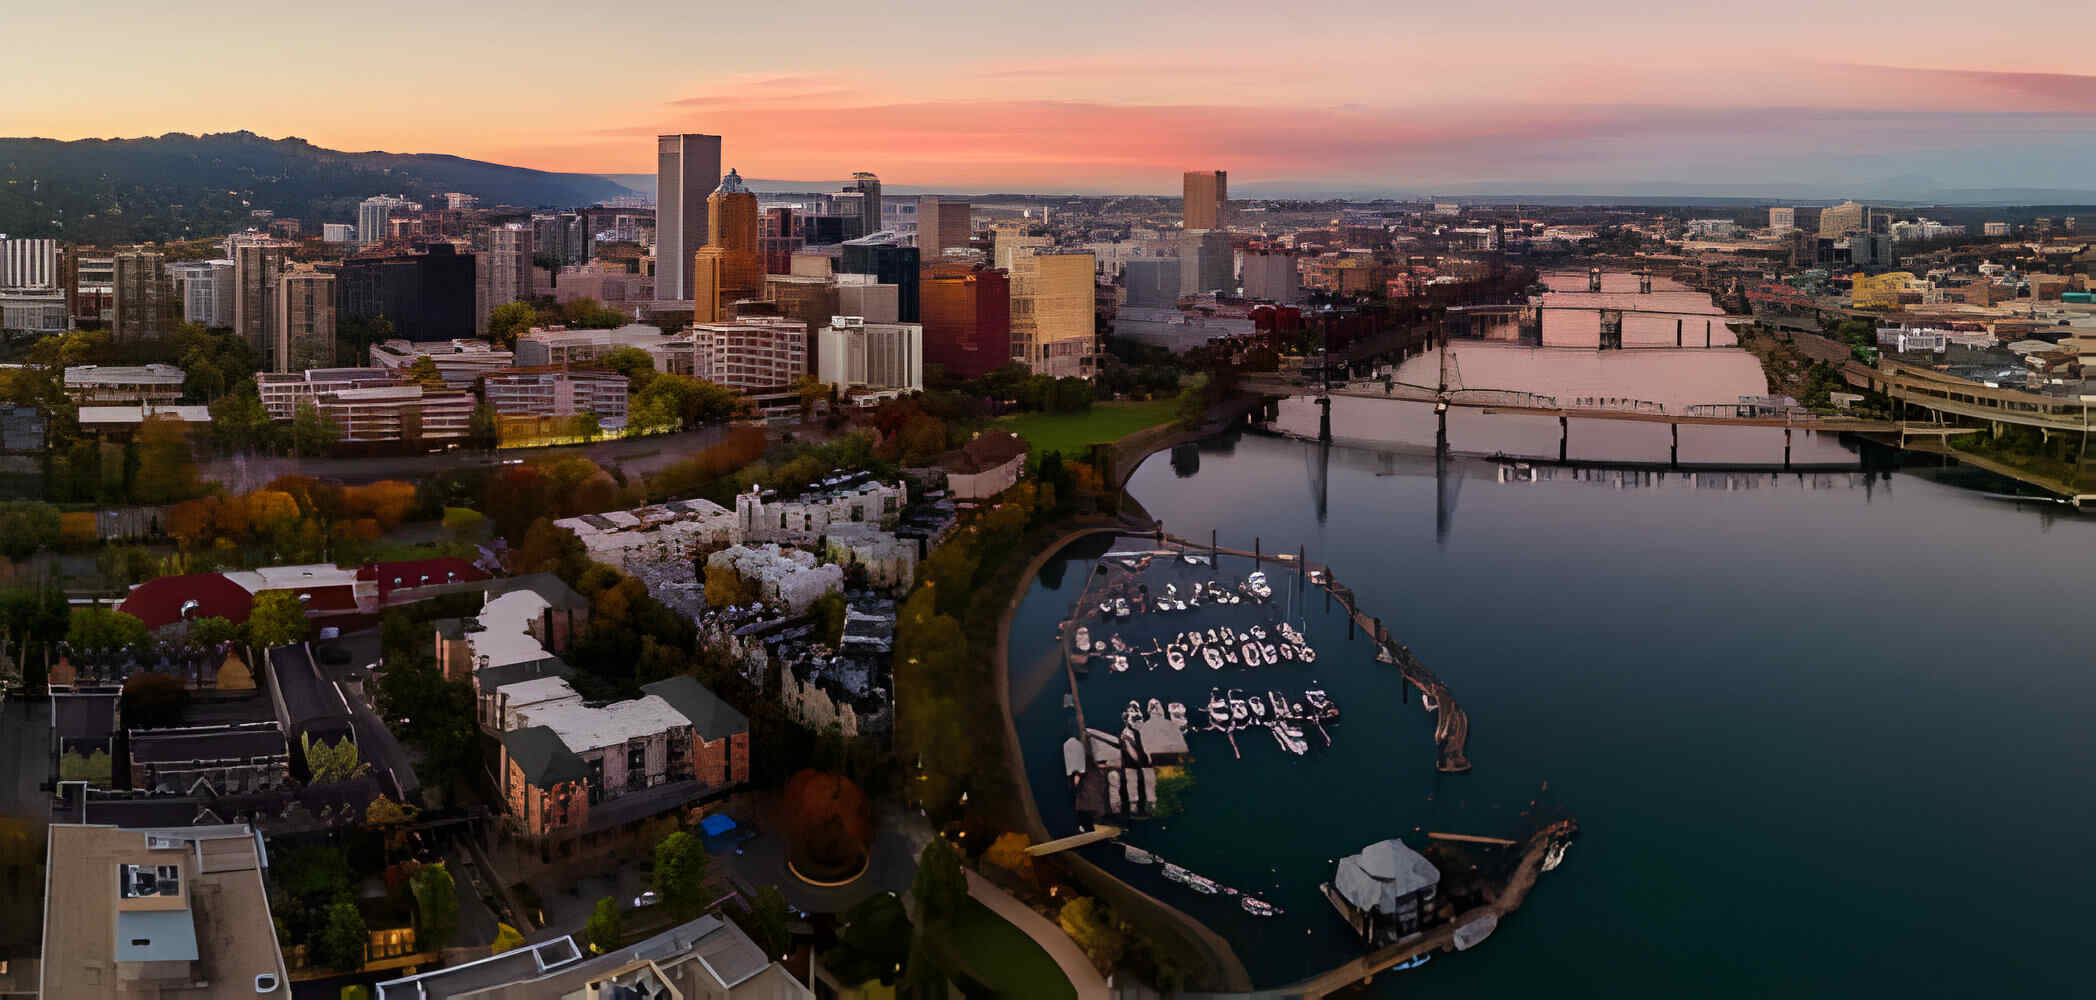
1825,734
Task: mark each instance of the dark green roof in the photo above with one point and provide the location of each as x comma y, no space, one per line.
543,758
713,718
546,585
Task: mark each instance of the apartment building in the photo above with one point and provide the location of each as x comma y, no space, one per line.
461,362
559,346
116,384
206,289
397,413
282,391
872,358
304,324
752,354
555,392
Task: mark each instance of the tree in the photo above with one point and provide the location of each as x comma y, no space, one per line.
584,426
550,548
507,938
725,586
873,943
811,392
423,372
239,422
313,432
1091,925
211,631
508,320
485,428
104,628
637,365
680,873
923,438
153,701
342,939
941,887
166,466
436,906
1009,853
603,930
464,525
1193,401
278,619
26,527
768,920
383,811
329,763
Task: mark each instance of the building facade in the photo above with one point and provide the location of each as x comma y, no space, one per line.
206,290
891,262
557,393
1053,306
256,267
754,354
881,358
426,294
943,224
967,313
144,299
1272,276
728,268
687,169
1207,194
305,320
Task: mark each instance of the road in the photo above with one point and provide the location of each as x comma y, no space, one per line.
241,473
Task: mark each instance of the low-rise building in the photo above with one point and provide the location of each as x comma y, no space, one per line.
788,578
282,391
554,392
803,519
152,913
562,347
876,360
987,465
460,362
153,383
212,760
705,959
397,413
752,354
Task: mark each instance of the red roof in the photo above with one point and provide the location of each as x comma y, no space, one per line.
412,573
159,602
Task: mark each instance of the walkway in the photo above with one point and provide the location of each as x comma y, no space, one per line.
1089,984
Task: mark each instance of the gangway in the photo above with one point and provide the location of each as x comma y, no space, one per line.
1092,836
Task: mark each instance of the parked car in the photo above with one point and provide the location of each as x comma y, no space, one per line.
647,898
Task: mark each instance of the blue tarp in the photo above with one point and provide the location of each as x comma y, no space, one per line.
716,824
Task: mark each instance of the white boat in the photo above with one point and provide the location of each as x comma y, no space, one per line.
1556,856
1106,607
1120,608
1426,701
1291,739
1154,710
1289,633
1317,576
1280,705
1266,652
1251,654
1307,655
1175,873
1238,711
1211,635
1194,560
1120,664
1202,884
1257,907
1084,639
1117,644
1175,658
1321,703
1138,855
1259,632
1218,710
1287,652
1215,659
1176,711
1178,605
1258,707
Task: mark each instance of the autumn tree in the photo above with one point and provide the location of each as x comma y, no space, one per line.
1092,926
1009,853
104,628
329,763
166,465
507,938
277,619
423,372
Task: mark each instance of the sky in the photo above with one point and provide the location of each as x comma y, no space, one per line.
1116,97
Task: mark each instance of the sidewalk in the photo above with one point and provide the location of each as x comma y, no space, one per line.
1090,985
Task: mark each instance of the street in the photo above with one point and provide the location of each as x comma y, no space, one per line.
243,473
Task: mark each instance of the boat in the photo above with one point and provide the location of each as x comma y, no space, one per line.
1138,855
1258,907
1280,705
1106,607
1176,711
1427,702
1211,635
1231,655
1117,644
1175,658
1215,659
1287,652
1120,664
1317,576
1228,635
1131,715
1202,884
1266,652
1154,710
1556,856
1238,711
1412,963
1175,873
1218,710
1120,608
1307,655
1321,703
1258,707
1259,632
1084,639
1194,560
1289,633
1252,655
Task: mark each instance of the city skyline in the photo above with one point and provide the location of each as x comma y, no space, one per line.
1359,99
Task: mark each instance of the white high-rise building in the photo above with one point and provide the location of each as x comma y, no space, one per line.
207,291
373,214
874,357
687,169
28,264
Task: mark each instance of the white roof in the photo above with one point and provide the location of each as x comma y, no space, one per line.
255,581
539,691
504,639
584,728
123,374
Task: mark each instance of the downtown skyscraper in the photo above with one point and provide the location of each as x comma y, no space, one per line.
687,170
1207,195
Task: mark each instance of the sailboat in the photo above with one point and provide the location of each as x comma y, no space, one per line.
1215,659
1084,639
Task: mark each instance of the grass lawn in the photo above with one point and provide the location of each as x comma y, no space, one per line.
1073,433
1003,958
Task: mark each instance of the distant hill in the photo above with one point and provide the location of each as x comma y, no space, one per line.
181,186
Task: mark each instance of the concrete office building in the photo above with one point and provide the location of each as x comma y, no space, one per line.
891,261
942,224
879,358
868,296
1205,262
1053,308
144,298
558,346
811,299
778,239
28,264
1843,219
256,267
1152,282
207,290
459,362
506,267
305,320
338,232
687,169
1783,217
375,216
967,311
282,392
728,268
1207,196
1272,276
868,188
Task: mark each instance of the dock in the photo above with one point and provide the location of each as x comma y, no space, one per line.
1452,724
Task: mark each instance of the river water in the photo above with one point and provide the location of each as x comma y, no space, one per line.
1825,734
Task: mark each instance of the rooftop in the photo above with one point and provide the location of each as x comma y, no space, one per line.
582,727
709,715
157,374
206,908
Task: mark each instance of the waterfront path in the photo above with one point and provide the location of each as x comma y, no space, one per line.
1086,979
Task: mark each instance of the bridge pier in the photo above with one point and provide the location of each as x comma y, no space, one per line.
1786,448
1324,419
1674,449
1677,331
1564,434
